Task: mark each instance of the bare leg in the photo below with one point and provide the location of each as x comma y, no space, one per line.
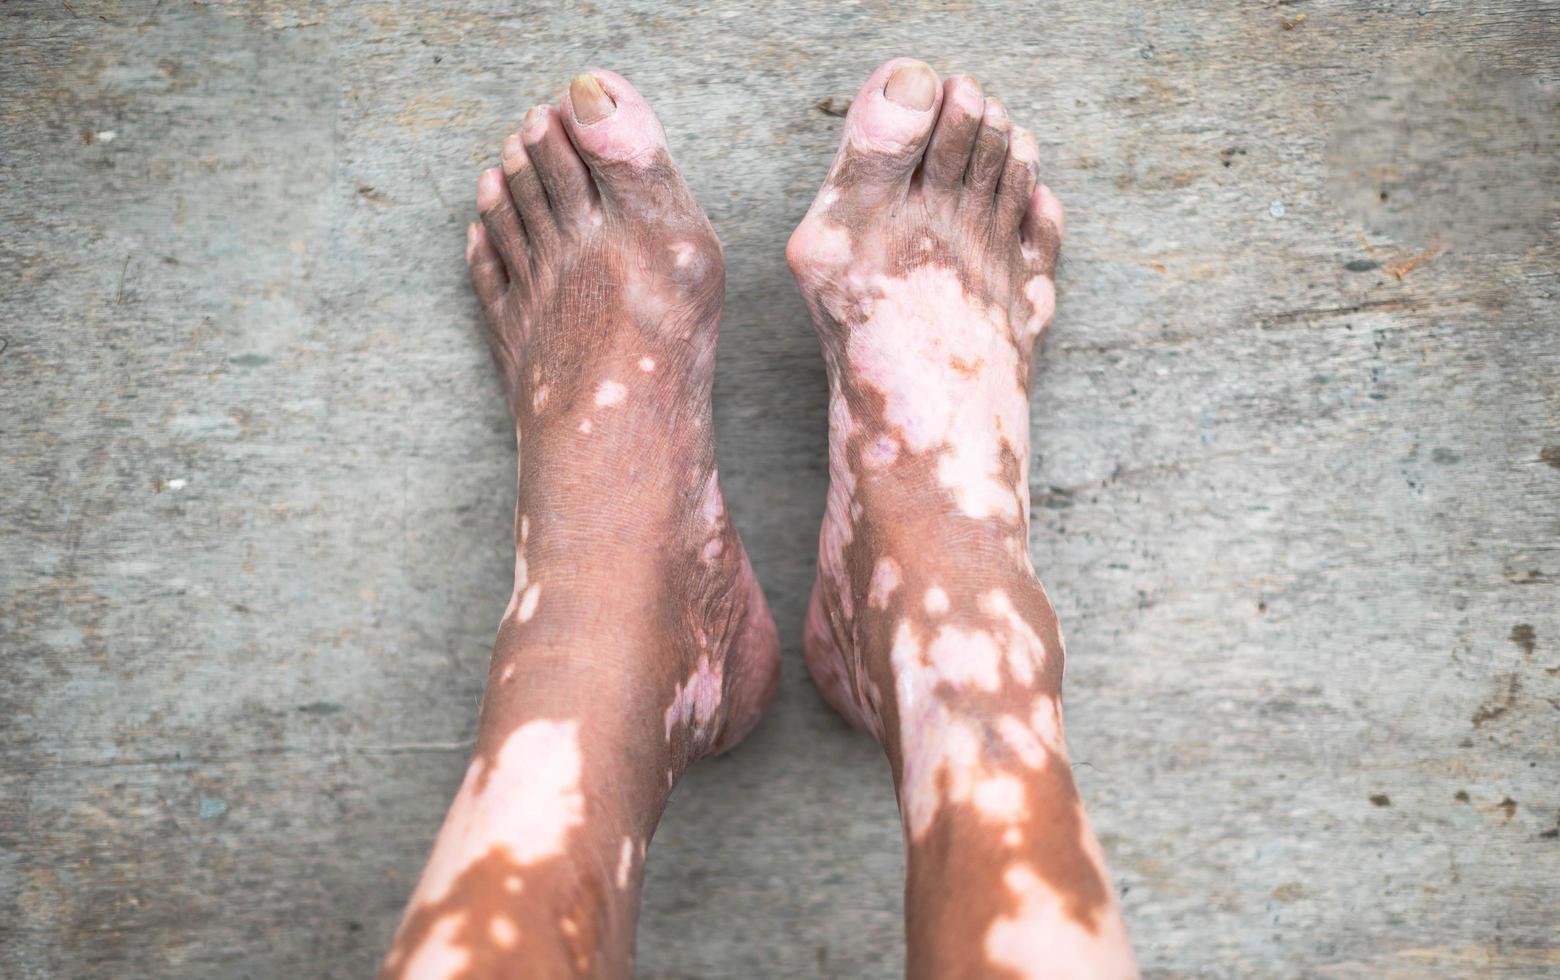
927,263
637,639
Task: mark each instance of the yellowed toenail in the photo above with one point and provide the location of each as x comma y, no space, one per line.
913,86
591,102
512,150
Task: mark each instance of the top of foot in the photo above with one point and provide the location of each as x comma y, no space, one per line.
601,281
927,261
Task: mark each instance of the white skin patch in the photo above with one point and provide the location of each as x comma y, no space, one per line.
695,702
585,426
885,579
713,510
650,305
625,862
1041,293
539,399
944,759
712,505
1041,940
937,748
948,371
647,364
1021,941
1024,648
936,601
684,254
504,932
526,808
1000,797
1023,739
528,602
879,453
964,658
610,393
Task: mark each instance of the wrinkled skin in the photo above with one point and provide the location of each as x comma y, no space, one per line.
927,263
637,639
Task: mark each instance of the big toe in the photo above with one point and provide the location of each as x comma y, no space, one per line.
887,129
617,134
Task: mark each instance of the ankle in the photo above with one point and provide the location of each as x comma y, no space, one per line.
975,658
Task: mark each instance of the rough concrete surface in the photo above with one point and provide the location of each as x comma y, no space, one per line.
1297,480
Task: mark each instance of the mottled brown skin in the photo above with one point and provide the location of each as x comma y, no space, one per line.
571,893
964,204
637,639
595,266
954,887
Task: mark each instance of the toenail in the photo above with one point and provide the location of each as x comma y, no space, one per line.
1024,149
512,151
913,86
996,116
534,124
590,100
490,188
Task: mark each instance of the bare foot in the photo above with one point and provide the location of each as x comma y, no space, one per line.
927,263
602,283
637,639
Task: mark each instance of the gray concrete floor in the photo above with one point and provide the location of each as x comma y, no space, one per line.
1297,471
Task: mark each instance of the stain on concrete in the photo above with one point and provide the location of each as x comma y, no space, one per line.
1505,697
1525,637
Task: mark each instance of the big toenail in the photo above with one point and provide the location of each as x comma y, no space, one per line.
913,86
591,102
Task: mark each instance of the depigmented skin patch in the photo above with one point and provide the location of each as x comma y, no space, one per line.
610,393
636,639
927,263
